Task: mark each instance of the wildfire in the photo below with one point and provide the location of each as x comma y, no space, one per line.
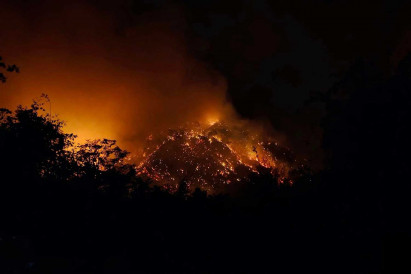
212,155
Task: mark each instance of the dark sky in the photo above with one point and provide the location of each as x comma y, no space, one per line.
293,47
274,54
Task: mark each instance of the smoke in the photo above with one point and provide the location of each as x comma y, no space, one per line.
110,72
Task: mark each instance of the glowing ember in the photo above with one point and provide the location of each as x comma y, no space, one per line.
211,156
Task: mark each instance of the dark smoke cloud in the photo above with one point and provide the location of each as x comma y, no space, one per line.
275,54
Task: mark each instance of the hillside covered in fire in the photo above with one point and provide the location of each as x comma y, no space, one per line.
211,156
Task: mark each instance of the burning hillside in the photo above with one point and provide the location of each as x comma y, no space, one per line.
212,156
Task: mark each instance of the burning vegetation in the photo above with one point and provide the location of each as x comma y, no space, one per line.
212,156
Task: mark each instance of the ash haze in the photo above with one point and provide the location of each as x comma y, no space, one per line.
106,77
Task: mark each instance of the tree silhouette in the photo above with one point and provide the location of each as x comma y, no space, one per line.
7,68
100,155
32,144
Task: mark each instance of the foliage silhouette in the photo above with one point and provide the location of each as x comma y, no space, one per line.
7,68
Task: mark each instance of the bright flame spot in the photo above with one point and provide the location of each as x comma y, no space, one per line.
212,120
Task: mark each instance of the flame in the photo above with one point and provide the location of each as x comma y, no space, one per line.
212,156
212,119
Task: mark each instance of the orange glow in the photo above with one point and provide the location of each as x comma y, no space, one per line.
103,82
125,84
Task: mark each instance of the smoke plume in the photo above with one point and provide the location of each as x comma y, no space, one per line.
109,72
